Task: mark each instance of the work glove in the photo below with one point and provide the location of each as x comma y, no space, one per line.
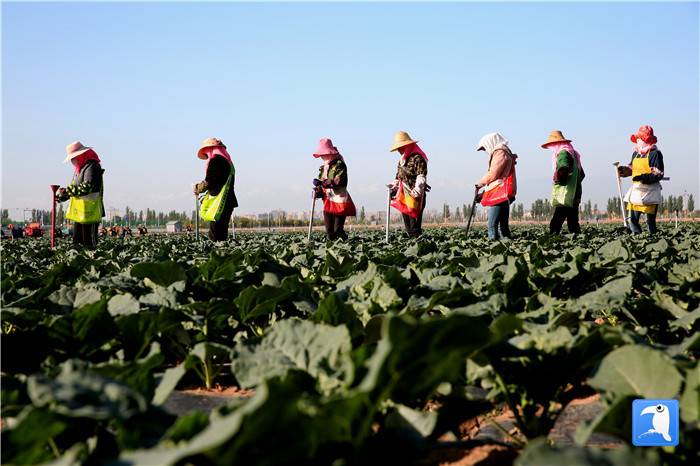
61,195
479,197
199,188
317,182
624,170
319,193
328,184
479,185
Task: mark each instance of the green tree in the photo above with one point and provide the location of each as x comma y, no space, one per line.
445,212
362,214
691,204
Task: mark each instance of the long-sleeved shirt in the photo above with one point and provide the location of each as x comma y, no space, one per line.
501,163
656,160
413,173
218,172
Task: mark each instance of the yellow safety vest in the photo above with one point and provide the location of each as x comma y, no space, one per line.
640,166
213,206
85,209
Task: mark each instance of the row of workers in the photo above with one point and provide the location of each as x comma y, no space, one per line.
496,189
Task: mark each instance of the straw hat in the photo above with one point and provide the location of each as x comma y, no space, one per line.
325,147
75,149
646,134
555,136
209,142
401,139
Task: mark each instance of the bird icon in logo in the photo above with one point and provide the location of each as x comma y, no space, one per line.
660,420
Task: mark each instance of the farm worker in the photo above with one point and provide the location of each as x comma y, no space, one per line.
220,199
331,186
567,178
410,186
646,170
499,183
85,192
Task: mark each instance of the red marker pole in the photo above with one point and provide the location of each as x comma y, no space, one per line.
54,188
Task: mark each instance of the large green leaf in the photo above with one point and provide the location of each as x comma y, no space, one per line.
637,370
259,301
540,453
321,350
163,273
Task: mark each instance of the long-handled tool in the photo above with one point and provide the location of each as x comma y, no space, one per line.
388,213
471,212
619,193
233,226
196,216
54,188
313,211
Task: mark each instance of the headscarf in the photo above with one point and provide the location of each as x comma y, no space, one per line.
492,142
642,147
560,146
216,151
80,161
411,149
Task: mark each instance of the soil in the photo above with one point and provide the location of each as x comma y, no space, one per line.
200,399
480,443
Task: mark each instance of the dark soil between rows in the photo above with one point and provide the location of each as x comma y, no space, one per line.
480,442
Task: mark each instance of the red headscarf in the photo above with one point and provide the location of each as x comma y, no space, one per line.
411,149
80,161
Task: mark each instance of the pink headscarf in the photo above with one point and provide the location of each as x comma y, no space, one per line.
642,147
216,151
80,161
413,149
560,146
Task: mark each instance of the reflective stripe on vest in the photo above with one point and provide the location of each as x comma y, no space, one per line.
213,206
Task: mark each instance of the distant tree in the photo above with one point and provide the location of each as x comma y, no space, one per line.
362,214
691,204
445,211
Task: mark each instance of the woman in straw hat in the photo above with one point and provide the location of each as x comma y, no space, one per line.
410,186
567,178
499,182
331,186
646,169
85,192
220,199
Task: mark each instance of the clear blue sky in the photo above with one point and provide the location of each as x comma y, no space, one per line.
145,83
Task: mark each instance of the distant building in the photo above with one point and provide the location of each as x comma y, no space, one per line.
174,226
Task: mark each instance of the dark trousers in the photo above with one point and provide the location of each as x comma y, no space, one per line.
335,225
635,216
570,214
85,234
413,225
218,230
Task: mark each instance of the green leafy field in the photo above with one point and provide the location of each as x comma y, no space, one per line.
358,352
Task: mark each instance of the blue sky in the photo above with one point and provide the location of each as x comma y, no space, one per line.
145,83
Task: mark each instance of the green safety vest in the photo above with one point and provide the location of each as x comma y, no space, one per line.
563,195
212,206
85,209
